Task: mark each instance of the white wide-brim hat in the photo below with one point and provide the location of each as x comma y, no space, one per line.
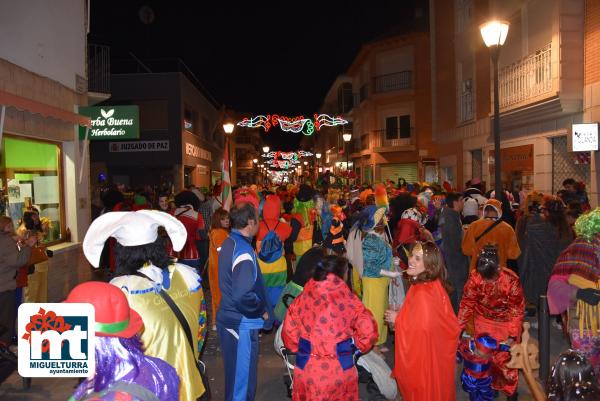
131,229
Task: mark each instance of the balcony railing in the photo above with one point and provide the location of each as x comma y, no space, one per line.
527,78
98,68
466,107
393,82
384,138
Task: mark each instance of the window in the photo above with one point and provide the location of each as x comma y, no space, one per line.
397,127
31,171
466,100
188,120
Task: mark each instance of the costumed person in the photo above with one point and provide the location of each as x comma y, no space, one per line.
187,212
272,233
477,358
490,229
334,240
411,228
494,305
122,371
543,233
573,287
295,221
219,231
377,268
244,308
305,207
572,378
326,326
145,273
470,212
304,272
452,233
426,330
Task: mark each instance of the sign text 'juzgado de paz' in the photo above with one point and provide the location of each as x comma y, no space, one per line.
56,340
111,122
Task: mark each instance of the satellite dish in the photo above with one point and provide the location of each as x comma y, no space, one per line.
146,15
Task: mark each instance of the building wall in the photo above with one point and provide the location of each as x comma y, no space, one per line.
591,102
47,38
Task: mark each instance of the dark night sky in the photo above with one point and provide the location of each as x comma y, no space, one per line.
254,56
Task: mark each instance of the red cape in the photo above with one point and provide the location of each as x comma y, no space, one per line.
426,342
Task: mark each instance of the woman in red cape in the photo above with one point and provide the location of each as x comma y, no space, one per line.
427,331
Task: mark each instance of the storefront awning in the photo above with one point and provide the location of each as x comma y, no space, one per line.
35,107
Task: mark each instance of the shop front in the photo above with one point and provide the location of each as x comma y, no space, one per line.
197,162
517,165
31,174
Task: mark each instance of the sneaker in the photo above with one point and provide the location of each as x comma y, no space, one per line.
557,325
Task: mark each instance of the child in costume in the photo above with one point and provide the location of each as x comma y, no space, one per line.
325,326
573,287
572,378
334,239
305,207
144,269
121,366
272,233
493,302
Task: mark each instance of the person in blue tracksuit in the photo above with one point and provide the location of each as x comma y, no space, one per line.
244,309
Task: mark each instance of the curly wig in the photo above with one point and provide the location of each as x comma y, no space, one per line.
587,225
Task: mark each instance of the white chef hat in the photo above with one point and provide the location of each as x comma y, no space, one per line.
131,229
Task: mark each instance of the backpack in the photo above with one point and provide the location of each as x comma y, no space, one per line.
271,247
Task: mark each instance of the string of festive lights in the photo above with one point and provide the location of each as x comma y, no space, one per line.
292,124
287,155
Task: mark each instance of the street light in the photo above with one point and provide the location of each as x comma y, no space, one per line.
494,34
347,138
254,161
228,128
265,149
306,163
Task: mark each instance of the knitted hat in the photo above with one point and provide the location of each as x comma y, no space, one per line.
114,317
471,207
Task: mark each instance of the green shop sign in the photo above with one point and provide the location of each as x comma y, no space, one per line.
111,122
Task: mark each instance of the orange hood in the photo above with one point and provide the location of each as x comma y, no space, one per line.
272,208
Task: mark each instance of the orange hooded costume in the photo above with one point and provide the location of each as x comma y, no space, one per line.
502,235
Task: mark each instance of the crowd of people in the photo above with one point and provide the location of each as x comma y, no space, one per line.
333,269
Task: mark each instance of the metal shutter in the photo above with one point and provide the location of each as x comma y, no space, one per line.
395,171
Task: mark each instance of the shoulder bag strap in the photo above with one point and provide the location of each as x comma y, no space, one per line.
487,230
182,321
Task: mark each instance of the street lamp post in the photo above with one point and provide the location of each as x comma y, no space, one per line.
228,128
318,156
494,34
347,138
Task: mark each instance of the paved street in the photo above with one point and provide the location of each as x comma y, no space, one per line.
70,268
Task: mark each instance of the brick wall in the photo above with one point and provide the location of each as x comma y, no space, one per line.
592,42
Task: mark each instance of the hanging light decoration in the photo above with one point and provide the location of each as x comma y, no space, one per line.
292,124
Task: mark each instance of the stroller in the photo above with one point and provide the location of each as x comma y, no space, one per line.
289,359
373,370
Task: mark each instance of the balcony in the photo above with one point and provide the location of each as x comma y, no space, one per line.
526,79
393,82
98,69
393,141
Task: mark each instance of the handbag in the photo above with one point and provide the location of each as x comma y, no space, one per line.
38,255
188,333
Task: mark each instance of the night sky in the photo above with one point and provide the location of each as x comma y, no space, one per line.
253,57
